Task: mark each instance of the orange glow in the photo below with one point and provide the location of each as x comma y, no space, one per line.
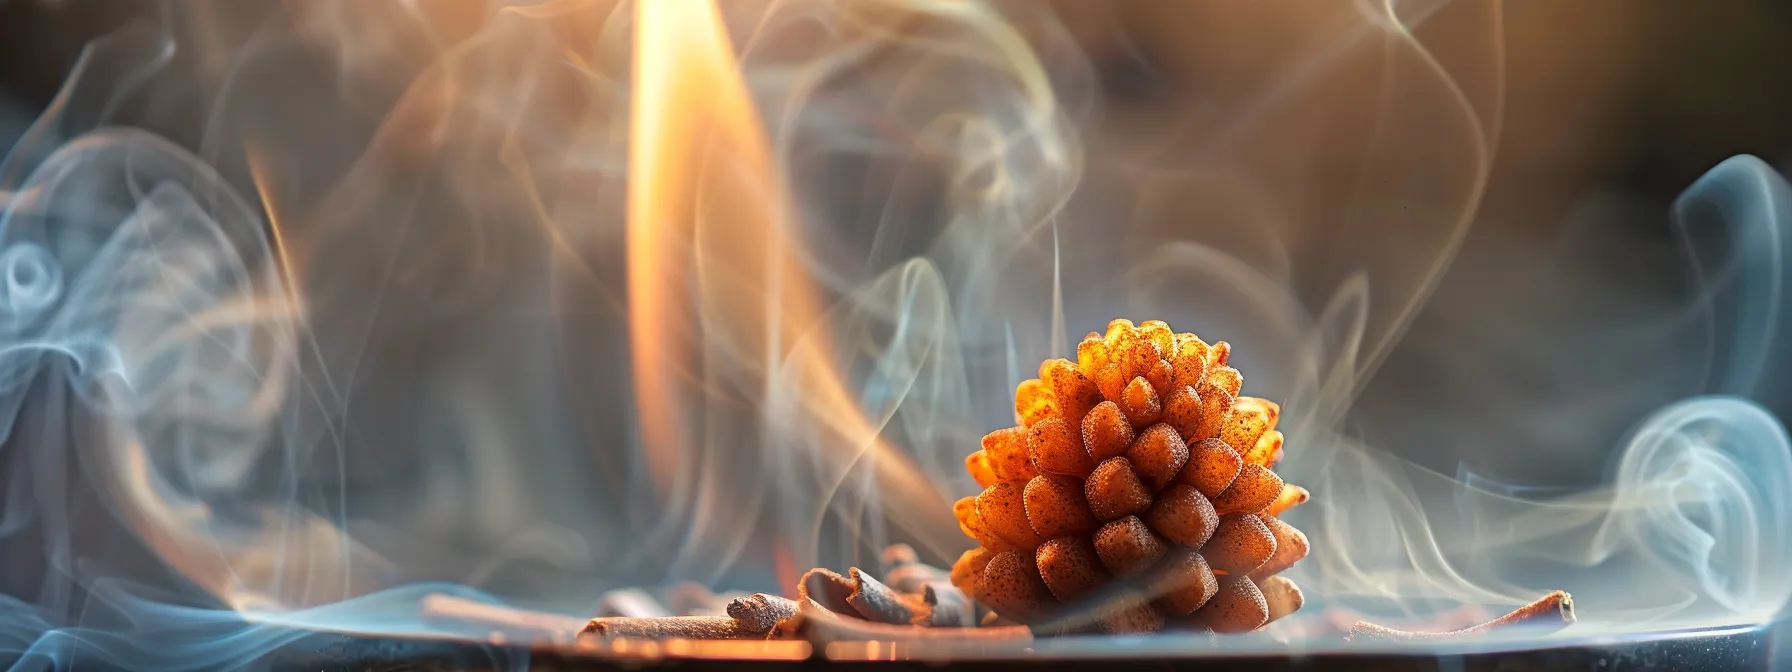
784,565
709,219
679,48
258,172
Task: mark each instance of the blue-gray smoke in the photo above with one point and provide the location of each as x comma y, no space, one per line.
309,314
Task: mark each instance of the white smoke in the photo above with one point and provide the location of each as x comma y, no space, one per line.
348,329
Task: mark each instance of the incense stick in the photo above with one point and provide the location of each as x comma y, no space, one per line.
1549,614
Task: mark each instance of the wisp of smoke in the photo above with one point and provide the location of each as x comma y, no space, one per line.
323,304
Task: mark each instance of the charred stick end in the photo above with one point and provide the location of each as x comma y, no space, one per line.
760,612
874,601
860,595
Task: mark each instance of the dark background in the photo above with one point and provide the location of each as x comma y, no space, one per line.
1643,96
1635,97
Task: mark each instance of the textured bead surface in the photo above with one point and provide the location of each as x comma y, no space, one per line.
1138,488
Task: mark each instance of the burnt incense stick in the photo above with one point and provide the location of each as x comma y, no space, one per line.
761,612
857,594
827,588
948,606
876,602
1338,620
1549,614
670,627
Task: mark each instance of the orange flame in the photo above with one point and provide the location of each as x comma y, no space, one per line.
708,217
